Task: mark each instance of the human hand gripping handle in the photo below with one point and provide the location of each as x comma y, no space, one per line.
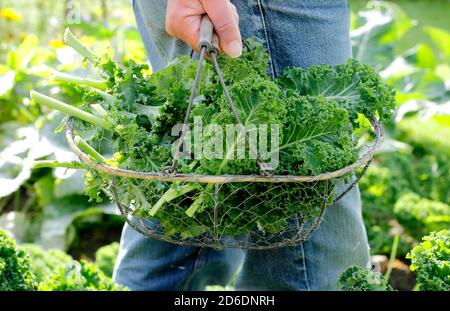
208,38
184,17
206,33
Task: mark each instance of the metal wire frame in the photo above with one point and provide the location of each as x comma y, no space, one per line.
303,227
362,162
302,231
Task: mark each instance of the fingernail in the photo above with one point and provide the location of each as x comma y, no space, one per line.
235,49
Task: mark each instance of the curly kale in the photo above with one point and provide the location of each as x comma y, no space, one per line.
421,215
79,276
15,273
317,137
316,110
257,101
43,262
253,63
356,278
431,262
355,86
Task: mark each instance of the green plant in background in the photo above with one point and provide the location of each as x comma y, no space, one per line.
39,205
29,267
78,276
44,262
356,278
420,215
105,258
431,262
15,274
414,156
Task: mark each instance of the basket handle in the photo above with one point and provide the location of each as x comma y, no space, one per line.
206,33
204,44
209,43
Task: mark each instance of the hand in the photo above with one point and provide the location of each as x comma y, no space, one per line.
183,19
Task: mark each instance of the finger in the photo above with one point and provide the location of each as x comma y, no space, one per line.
223,17
183,21
235,12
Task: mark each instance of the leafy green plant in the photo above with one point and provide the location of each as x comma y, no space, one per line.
78,276
356,278
376,31
431,262
317,109
420,215
44,262
391,176
105,258
15,273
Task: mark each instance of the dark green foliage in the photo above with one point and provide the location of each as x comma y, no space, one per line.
15,274
391,176
355,86
431,262
356,278
317,137
420,215
315,109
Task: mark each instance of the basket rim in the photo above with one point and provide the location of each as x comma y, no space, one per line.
220,179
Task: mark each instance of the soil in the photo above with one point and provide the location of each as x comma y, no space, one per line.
402,278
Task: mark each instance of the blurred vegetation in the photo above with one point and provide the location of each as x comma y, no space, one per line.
405,192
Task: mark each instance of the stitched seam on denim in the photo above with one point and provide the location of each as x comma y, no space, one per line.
272,67
304,266
195,267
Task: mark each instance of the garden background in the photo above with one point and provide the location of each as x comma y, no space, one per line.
405,192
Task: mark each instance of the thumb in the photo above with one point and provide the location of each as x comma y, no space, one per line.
223,16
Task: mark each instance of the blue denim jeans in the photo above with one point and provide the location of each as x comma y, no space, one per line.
295,33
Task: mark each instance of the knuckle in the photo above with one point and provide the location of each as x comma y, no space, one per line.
225,25
171,26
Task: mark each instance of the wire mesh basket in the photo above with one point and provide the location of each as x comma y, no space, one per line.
226,211
245,211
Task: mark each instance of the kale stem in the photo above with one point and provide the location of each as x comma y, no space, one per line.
108,97
170,195
68,109
56,164
67,78
97,108
84,51
84,146
199,201
392,256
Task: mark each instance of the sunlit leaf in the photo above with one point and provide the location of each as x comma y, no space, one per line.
19,146
6,82
382,25
22,56
441,39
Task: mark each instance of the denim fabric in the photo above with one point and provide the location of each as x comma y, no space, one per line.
295,33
